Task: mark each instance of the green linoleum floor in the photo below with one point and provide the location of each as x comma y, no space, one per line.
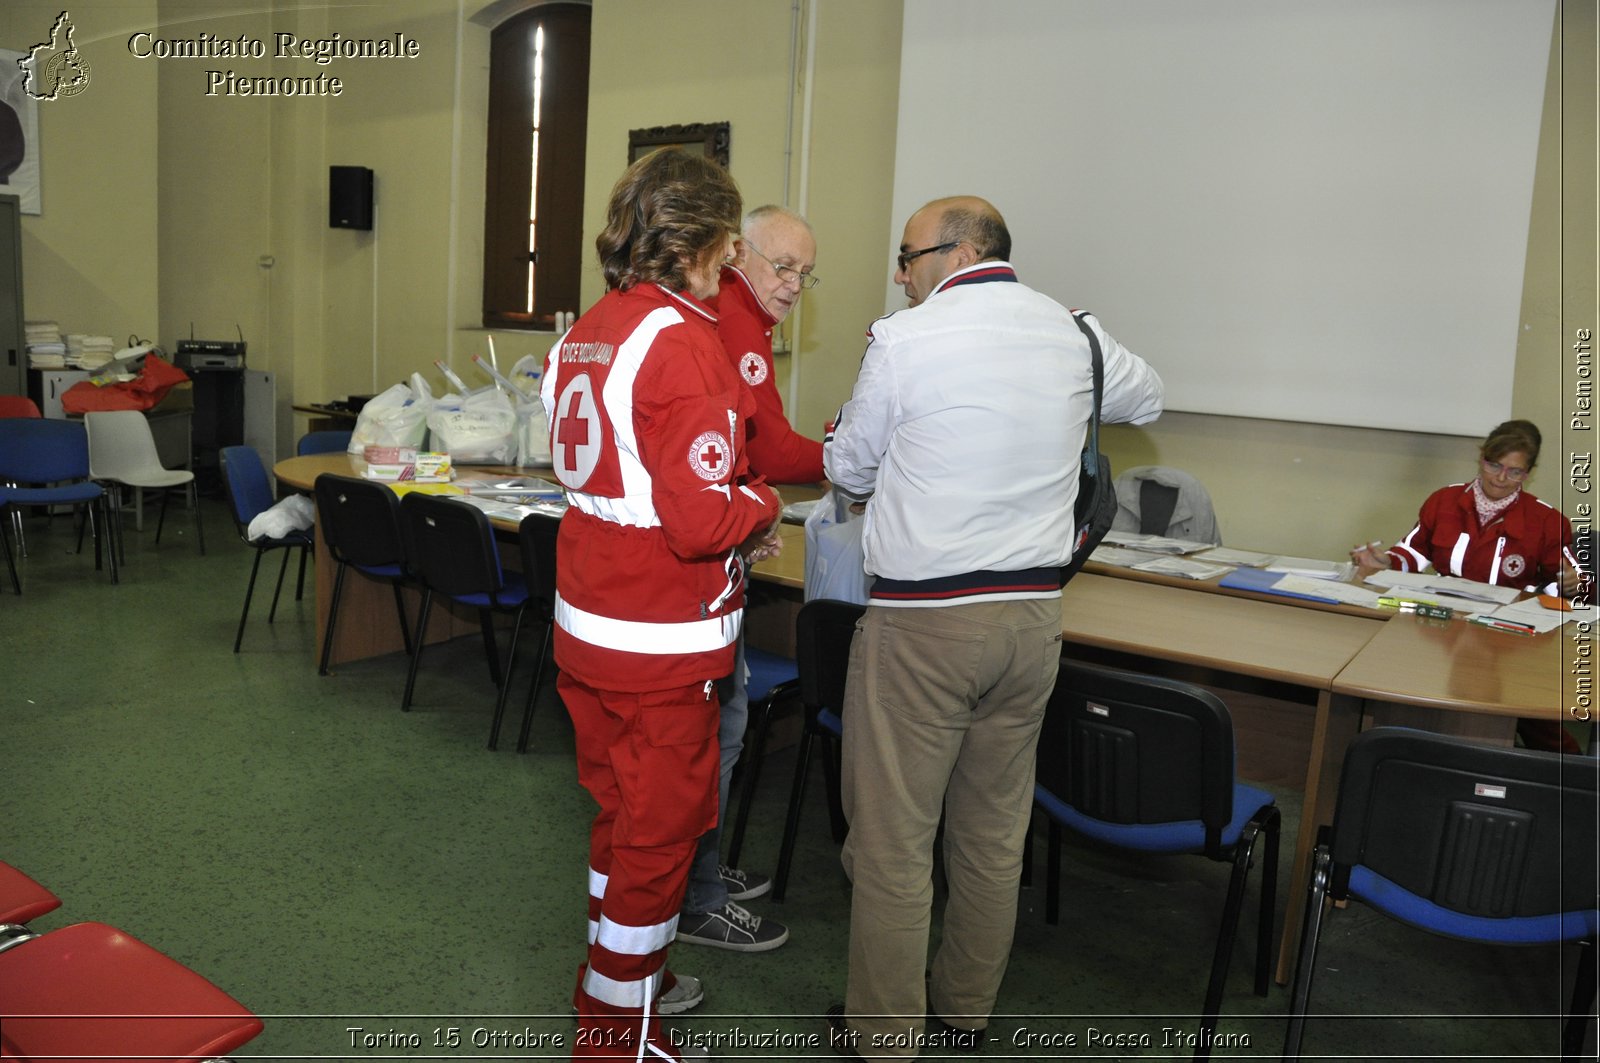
340,866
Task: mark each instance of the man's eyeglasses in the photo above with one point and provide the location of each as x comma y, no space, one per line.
786,274
1510,472
905,257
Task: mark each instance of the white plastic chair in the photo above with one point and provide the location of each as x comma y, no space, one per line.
122,453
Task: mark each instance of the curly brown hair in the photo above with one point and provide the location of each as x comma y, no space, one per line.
1510,438
667,212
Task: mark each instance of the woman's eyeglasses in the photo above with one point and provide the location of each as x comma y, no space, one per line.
1510,472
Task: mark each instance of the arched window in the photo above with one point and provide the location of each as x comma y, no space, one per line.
538,119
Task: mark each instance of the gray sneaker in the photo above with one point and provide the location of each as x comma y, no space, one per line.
732,928
744,885
685,994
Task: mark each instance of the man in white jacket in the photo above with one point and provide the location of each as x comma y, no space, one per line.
964,432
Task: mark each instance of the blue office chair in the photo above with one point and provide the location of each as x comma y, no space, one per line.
824,630
46,451
1482,843
772,678
249,494
361,528
330,441
1145,763
450,548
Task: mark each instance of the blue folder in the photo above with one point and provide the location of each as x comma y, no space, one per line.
1264,582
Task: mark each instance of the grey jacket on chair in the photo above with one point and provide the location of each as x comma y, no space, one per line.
1192,515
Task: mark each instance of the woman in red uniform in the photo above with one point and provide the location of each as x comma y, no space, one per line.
1489,530
647,433
1493,531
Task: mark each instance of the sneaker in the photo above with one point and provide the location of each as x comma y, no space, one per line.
686,993
732,928
744,885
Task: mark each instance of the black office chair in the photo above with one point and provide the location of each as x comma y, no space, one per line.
361,527
824,630
249,494
1483,843
450,548
536,535
1145,763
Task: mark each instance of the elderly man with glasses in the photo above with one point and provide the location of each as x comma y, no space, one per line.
771,267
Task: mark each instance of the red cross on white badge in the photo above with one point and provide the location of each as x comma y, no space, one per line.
711,456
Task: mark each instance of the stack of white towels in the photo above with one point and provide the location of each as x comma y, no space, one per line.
45,347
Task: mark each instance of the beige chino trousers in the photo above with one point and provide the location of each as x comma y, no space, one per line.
942,710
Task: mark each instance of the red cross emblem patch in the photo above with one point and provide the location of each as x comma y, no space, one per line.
753,368
710,456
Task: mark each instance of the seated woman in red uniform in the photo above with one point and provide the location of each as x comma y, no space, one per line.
1493,531
647,420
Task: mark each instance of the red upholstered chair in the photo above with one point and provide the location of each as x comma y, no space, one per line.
89,991
21,900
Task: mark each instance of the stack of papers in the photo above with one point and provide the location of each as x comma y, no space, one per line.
1185,567
1433,585
1155,544
1121,556
1529,617
523,489
1312,567
46,350
1223,555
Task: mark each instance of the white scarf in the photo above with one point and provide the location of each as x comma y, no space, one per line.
1488,509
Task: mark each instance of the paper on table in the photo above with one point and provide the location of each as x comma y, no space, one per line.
1183,566
1531,614
1310,566
1156,544
1344,593
1121,556
1223,555
1433,584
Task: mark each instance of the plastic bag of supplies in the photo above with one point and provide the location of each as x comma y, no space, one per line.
397,417
835,561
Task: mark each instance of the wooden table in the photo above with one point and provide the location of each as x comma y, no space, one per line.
1349,665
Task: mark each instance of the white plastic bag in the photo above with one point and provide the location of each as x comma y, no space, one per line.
396,418
295,513
533,427
835,561
478,428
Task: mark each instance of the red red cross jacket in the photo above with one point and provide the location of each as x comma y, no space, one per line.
777,451
647,434
1523,547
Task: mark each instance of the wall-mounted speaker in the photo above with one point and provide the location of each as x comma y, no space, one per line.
349,197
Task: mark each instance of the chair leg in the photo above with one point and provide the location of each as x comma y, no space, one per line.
533,691
199,525
1052,875
5,544
791,821
333,619
161,520
506,673
249,590
110,540
1227,931
400,611
752,757
1306,961
283,567
416,649
491,652
1583,993
1272,825
300,582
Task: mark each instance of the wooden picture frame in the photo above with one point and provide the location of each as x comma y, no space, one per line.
711,138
